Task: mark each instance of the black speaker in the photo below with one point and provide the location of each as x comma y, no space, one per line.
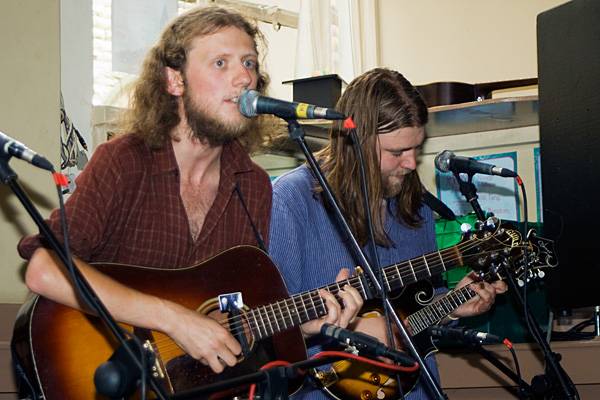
568,39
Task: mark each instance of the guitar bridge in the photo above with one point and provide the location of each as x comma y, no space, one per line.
157,369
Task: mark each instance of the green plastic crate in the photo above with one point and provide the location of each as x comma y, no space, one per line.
447,234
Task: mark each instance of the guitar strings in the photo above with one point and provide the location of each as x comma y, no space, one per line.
417,266
404,269
407,271
239,321
299,302
422,319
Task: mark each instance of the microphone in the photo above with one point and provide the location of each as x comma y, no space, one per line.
464,335
448,161
251,103
366,343
14,148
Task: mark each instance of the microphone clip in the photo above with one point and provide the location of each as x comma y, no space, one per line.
358,342
350,347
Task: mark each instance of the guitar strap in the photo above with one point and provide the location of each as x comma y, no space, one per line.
259,239
438,206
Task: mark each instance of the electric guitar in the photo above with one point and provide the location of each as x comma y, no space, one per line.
59,348
357,380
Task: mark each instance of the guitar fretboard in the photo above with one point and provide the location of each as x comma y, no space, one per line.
267,320
439,309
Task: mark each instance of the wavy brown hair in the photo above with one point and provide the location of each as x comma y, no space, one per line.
152,112
379,101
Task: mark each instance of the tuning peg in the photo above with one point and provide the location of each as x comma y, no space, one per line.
491,222
541,274
520,282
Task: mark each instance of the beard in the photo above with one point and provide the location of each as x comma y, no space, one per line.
209,129
392,185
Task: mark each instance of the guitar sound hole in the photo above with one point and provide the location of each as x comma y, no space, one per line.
187,373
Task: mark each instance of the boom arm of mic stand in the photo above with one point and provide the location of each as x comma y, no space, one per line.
297,134
8,177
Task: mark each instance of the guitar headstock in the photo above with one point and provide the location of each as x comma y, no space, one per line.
496,249
540,255
487,243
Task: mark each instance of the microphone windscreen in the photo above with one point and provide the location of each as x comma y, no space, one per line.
247,103
442,160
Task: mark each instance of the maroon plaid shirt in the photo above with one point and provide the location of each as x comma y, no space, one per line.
127,208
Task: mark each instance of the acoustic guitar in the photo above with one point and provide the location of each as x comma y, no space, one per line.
356,380
59,348
444,93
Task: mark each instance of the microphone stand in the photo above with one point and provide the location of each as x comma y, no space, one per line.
541,385
296,133
468,189
372,245
9,177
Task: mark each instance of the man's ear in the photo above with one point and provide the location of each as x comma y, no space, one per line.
174,82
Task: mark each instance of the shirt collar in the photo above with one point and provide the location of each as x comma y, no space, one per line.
234,159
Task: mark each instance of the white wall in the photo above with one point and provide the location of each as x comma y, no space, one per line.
460,40
281,49
29,112
279,59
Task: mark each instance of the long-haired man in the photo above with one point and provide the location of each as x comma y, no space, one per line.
170,191
306,243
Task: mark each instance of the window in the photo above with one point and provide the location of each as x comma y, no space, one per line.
109,85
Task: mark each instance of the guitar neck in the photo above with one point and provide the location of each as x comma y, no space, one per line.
267,320
439,309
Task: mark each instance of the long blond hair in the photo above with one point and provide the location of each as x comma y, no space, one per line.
153,112
379,101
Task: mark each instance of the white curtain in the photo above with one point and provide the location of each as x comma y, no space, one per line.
336,37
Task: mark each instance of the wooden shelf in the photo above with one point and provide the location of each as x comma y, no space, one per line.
454,119
484,115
